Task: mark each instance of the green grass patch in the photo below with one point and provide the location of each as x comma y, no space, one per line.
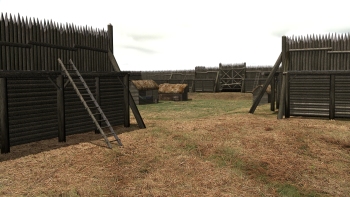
227,157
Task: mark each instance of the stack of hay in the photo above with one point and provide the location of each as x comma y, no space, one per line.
173,92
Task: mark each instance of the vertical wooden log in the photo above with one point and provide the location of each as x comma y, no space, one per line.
61,110
332,97
12,49
287,108
31,51
281,109
109,40
17,39
273,93
98,100
35,48
4,132
110,37
126,101
3,48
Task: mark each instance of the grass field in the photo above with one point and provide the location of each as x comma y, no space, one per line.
208,146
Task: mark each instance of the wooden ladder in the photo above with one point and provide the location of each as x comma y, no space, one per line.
88,98
256,81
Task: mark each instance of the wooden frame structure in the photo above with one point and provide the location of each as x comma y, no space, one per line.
37,102
315,78
232,77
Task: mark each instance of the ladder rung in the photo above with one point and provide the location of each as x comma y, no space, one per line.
94,107
69,68
109,134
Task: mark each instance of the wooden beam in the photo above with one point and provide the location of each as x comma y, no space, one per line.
110,37
43,44
13,44
5,131
268,81
61,109
90,48
287,99
281,109
136,112
311,49
335,52
320,72
126,102
113,61
273,93
27,74
332,97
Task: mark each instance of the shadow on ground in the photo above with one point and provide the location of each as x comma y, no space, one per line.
50,144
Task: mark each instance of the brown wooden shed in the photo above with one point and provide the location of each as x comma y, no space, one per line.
173,92
144,91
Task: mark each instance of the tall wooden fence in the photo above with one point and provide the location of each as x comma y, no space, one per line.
316,72
36,102
30,44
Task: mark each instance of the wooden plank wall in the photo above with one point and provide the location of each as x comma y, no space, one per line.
33,106
32,44
311,92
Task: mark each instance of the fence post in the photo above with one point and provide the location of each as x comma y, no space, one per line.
287,108
281,109
332,97
110,36
5,132
61,109
126,101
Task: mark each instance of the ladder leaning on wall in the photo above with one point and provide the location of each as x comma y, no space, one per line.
256,81
86,97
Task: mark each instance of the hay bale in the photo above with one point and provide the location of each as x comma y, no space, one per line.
268,89
172,88
145,84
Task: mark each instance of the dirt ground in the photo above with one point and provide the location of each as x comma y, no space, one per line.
230,153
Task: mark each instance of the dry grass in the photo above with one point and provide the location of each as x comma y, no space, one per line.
209,146
172,88
145,84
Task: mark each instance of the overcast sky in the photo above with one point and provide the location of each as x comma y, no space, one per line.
182,34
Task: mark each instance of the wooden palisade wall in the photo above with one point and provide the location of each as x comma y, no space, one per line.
36,101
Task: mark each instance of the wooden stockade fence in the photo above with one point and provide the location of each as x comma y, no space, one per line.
36,101
315,80
30,44
226,77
